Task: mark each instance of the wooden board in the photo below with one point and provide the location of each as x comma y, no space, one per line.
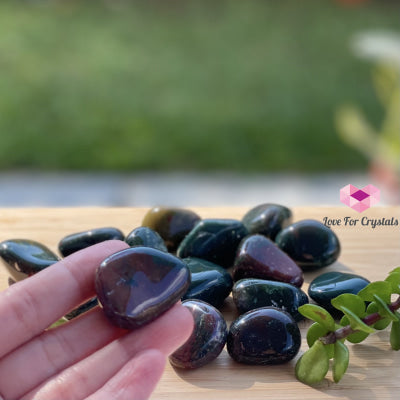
371,252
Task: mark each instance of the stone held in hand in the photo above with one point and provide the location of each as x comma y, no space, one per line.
207,339
249,294
214,240
309,243
147,237
267,219
136,285
259,257
81,240
264,336
23,258
209,282
172,224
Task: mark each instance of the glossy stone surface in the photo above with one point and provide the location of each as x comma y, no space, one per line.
259,257
264,336
88,305
144,236
215,240
309,243
23,257
207,339
172,224
326,287
209,282
80,240
267,219
249,294
136,285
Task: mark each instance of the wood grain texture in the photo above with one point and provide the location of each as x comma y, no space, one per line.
372,253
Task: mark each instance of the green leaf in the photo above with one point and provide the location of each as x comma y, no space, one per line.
394,280
340,361
381,288
395,335
383,309
315,331
381,324
318,314
356,337
355,321
313,365
395,270
351,301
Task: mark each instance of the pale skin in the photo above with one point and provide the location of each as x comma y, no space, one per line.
86,358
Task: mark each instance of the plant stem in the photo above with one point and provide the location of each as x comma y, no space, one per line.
347,330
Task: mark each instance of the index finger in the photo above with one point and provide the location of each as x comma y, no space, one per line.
32,305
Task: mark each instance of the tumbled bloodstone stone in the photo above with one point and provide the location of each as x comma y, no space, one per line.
267,219
249,294
88,305
264,336
309,243
23,258
173,224
144,236
78,241
136,285
207,339
209,282
326,287
215,240
259,257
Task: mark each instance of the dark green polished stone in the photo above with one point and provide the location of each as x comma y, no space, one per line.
309,243
215,240
173,224
209,282
259,257
264,336
326,287
267,219
78,241
136,285
23,257
144,236
249,294
88,305
207,339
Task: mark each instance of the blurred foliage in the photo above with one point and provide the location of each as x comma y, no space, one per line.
182,84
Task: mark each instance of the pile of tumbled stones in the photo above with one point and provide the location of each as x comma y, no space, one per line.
177,255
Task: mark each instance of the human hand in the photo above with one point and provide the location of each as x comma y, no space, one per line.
86,358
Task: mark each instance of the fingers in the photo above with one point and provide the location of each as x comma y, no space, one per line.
136,380
165,334
30,306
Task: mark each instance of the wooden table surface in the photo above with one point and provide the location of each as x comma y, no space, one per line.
371,252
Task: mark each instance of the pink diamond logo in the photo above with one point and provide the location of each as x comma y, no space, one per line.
360,199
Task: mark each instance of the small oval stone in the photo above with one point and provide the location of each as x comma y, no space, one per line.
215,240
326,287
172,224
264,336
23,258
207,339
136,285
144,236
259,257
81,240
309,243
209,282
249,294
267,219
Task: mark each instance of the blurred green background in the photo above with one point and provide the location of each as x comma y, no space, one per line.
170,85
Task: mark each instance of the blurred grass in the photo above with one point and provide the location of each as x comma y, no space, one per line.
182,84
